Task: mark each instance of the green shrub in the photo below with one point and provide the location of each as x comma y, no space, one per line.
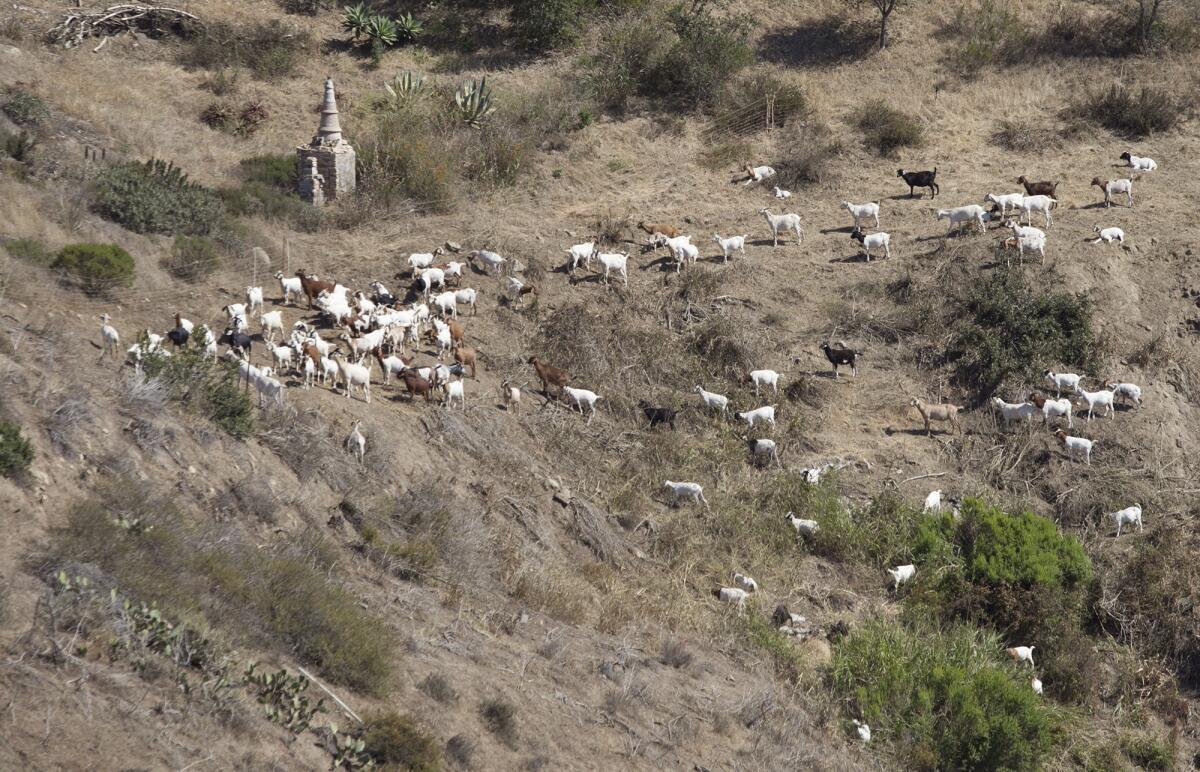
16,454
942,697
886,129
1025,549
404,160
547,25
498,155
228,406
29,250
276,171
1007,329
1148,752
393,739
882,532
211,389
97,267
1132,114
708,52
192,258
25,109
269,50
626,53
156,197
992,35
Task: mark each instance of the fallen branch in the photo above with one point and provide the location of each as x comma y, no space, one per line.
75,27
325,689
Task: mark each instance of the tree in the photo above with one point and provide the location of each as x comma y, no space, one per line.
1144,25
885,8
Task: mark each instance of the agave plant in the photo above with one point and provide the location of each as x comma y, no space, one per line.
354,20
474,101
381,32
408,27
404,88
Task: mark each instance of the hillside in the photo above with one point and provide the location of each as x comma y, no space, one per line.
499,589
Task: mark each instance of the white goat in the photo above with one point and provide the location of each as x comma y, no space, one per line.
1022,654
1076,446
1138,162
764,414
1014,411
765,449
873,241
730,245
614,262
1108,235
1043,204
466,297
289,285
803,527
355,375
784,223
419,260
446,303
758,174
272,322
764,378
933,502
581,397
491,260
712,400
356,443
1005,201
109,337
1102,398
1114,187
747,583
862,211
734,595
582,253
685,490
254,299
1063,381
1129,515
962,215
1126,391
456,390
901,574
1036,685
781,193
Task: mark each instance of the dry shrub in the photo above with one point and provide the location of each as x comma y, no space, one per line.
724,347
1130,113
461,750
65,423
675,653
252,496
500,718
438,687
725,155
303,441
612,227
813,391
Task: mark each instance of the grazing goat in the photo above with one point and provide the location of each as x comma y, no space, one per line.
685,490
1036,685
933,502
783,222
764,414
802,526
1113,187
1108,235
669,231
271,323
841,356
1129,515
1062,381
1126,391
658,415
1015,411
491,260
762,378
581,397
863,729
465,356
920,180
1022,654
356,443
1043,204
757,173
901,574
549,375
962,215
1076,446
254,299
747,583
416,384
1038,188
862,211
582,253
873,241
109,337
456,390
734,595
1138,162
1053,408
181,332
1102,398
765,451
1005,201
712,400
942,412
614,262
354,375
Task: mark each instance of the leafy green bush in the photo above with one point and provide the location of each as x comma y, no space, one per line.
886,129
1009,329
16,454
192,258
547,25
276,171
156,197
270,50
1132,114
943,698
992,34
393,739
708,52
209,388
882,532
97,267
29,250
25,109
626,53
403,159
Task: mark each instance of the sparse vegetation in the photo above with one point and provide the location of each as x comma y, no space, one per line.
500,718
269,50
156,197
1132,113
19,146
98,268
192,258
886,129
205,386
675,654
16,454
992,35
397,742
942,698
242,122
24,108
438,687
31,251
547,25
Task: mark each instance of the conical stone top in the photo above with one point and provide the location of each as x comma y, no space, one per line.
330,130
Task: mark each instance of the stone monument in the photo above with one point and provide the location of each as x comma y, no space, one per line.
327,162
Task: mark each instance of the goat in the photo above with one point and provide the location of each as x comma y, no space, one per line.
419,260
354,375
465,356
109,337
549,375
289,286
181,332
1005,201
1131,515
765,450
466,297
862,211
1043,204
901,574
658,415
1022,654
518,289
841,356
920,180
581,397
783,222
1038,188
764,414
734,595
942,412
1126,391
312,286
254,299
690,490
730,245
781,193
1036,685
668,231
757,173
763,378
236,339
1014,411
614,262
933,502
1062,381
747,583
1103,398
582,253
1112,187
456,390
271,322
356,443
1108,235
491,260
863,729
874,240
1138,162
962,215
511,395
713,400
1053,408
802,526
1076,445
415,384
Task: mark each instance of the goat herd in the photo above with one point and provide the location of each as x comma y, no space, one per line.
379,325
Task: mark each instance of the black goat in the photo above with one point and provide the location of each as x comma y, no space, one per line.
236,339
920,180
179,336
658,415
841,356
